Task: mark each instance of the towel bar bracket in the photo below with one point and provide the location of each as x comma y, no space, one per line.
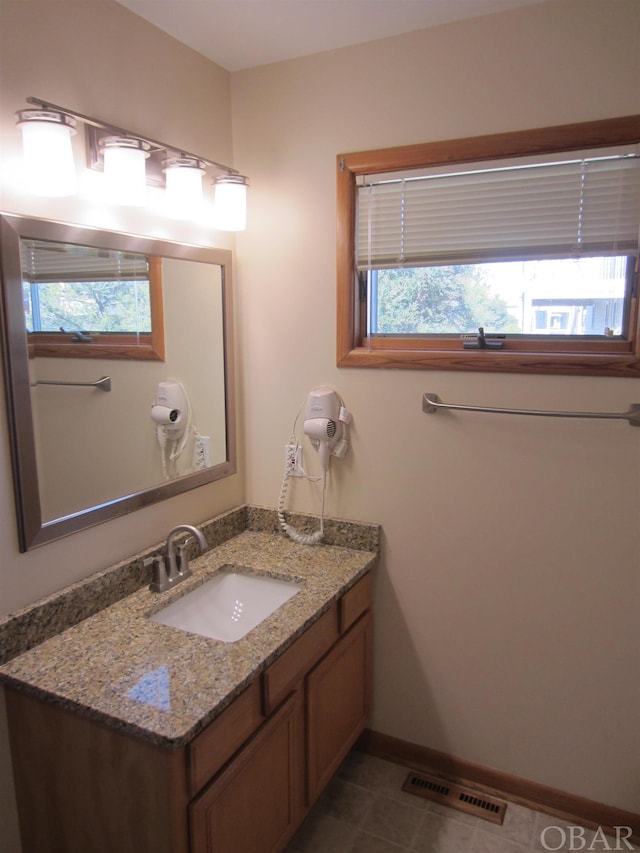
431,403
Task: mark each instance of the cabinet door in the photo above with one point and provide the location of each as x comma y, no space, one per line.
338,699
256,803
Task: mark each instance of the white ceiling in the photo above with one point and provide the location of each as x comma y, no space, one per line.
238,34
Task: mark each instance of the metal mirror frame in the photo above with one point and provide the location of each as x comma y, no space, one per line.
33,531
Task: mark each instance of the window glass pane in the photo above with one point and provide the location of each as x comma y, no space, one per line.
586,296
95,306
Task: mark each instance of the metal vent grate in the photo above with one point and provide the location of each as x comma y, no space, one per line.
455,796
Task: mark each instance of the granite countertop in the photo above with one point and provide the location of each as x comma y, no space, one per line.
163,684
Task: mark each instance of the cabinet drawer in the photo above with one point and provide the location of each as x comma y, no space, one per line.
217,743
298,659
354,602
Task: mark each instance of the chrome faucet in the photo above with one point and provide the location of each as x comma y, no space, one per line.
174,568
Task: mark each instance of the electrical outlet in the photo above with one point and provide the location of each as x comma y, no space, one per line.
293,460
202,452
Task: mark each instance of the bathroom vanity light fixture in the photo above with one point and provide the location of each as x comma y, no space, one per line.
47,151
230,203
183,179
124,169
130,163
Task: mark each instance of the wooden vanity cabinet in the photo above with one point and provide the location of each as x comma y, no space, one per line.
82,787
316,699
243,785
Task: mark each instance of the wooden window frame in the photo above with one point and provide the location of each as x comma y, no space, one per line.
619,358
148,346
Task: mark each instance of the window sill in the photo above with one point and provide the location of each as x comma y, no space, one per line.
134,352
571,364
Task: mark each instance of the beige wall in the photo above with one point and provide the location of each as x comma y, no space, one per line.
99,59
507,598
507,601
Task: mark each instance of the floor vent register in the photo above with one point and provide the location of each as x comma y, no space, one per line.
457,797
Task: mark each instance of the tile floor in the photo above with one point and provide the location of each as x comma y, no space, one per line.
364,810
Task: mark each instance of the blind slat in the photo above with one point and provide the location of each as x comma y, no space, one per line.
44,262
567,208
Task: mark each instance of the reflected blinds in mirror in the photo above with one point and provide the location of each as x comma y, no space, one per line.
44,261
68,287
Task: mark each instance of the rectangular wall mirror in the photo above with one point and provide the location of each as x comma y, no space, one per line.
118,357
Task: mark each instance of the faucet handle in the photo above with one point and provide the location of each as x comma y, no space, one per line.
159,578
182,559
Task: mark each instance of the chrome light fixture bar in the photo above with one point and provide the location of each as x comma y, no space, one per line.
161,164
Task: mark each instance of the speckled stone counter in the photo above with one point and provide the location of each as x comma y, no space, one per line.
164,684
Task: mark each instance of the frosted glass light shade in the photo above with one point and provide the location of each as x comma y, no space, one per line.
183,177
230,203
47,152
124,170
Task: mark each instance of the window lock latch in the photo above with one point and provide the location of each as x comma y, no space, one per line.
482,341
78,337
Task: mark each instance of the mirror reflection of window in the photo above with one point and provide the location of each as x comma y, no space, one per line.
81,456
91,447
92,303
77,288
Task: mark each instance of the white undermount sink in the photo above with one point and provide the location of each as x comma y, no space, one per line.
228,606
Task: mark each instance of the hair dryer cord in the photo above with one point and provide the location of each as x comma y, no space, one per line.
292,533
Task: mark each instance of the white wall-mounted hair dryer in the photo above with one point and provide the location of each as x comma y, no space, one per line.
322,422
325,421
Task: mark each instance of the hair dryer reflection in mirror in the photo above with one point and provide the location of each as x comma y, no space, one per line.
171,414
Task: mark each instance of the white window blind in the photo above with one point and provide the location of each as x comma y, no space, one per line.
44,262
586,205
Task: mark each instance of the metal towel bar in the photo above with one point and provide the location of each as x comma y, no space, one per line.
104,384
431,403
